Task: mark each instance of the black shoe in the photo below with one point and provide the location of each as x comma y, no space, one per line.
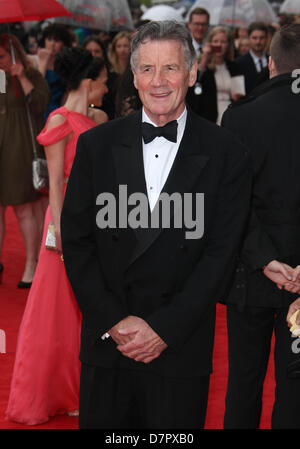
23,284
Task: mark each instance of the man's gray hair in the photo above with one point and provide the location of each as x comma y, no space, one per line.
163,31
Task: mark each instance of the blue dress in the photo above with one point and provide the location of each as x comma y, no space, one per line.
57,89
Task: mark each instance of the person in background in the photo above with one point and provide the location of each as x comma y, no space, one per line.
244,46
31,43
253,63
45,379
95,45
267,123
25,88
202,97
198,25
218,57
240,33
119,52
54,38
127,98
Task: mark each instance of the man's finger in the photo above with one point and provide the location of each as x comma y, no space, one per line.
282,269
292,288
296,274
149,359
127,331
131,346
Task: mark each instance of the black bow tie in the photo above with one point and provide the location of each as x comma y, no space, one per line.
169,131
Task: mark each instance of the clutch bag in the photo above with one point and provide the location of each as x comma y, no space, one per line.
50,238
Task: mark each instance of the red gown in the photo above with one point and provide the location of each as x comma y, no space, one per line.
46,373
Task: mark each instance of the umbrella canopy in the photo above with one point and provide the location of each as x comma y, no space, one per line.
21,10
290,7
237,13
163,12
98,14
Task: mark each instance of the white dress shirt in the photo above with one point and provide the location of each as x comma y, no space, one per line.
158,157
256,60
197,47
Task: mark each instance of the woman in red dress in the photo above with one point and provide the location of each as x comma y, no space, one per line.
46,372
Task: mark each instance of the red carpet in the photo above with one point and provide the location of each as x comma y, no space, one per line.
12,302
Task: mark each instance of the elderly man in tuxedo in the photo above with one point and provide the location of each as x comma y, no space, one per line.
147,291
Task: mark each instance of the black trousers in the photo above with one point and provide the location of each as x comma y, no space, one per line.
249,340
129,399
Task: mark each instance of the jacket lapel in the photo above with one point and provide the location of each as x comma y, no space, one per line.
129,164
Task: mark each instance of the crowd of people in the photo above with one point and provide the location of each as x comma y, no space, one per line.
144,303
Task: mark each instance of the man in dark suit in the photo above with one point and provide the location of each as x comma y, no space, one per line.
198,25
254,64
151,286
268,124
202,97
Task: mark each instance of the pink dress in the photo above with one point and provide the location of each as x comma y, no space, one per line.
46,373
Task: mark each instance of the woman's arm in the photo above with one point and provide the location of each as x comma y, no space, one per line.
18,71
55,161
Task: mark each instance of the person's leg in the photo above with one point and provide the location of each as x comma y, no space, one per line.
29,230
169,402
249,339
287,373
39,210
105,400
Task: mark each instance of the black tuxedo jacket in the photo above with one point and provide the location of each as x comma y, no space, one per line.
157,274
267,122
245,65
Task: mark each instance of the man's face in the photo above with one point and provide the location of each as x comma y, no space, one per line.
162,79
198,26
258,40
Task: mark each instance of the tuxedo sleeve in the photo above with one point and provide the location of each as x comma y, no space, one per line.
257,249
100,308
177,321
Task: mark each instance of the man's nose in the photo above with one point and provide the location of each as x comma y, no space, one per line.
158,78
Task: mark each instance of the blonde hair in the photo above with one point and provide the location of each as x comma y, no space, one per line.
230,50
113,58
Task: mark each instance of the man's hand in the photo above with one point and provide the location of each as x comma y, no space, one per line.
283,275
115,334
292,309
145,345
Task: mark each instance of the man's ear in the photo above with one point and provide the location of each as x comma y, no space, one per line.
193,74
272,67
135,79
